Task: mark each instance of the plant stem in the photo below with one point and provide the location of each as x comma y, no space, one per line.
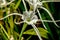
4,30
17,5
24,27
28,37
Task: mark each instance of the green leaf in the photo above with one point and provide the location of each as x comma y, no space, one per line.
17,4
11,23
3,35
4,30
42,31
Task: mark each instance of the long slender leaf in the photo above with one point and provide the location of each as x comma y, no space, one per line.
42,31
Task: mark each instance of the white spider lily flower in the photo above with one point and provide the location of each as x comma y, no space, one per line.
34,3
30,17
37,4
5,3
32,21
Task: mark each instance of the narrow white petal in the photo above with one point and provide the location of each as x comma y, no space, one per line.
11,15
41,19
37,31
50,16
